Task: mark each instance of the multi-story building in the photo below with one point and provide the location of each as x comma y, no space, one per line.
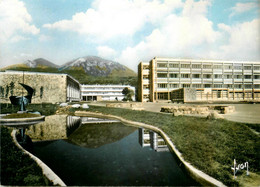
104,92
159,77
48,87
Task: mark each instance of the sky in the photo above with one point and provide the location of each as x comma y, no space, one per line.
129,31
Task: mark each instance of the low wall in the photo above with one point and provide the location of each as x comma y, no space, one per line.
199,109
124,105
45,169
196,174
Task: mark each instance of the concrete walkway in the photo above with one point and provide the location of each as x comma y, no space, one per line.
246,113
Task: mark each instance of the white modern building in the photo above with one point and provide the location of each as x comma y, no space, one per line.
104,92
217,80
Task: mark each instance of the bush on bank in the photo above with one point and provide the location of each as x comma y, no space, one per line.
209,145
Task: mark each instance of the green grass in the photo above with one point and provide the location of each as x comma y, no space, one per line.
20,115
16,167
209,145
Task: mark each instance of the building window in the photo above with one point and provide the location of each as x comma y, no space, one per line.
174,65
237,67
256,76
217,67
238,86
228,67
185,65
207,66
185,75
228,76
217,85
196,66
227,85
144,77
159,65
257,86
218,76
173,85
207,85
237,76
196,86
162,85
247,67
173,75
145,67
162,75
146,87
207,76
248,76
186,85
247,86
196,76
256,67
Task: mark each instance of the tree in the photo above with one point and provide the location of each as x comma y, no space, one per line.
128,93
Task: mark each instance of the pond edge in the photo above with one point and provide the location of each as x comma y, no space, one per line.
45,169
196,174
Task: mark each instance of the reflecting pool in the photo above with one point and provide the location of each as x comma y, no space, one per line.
107,154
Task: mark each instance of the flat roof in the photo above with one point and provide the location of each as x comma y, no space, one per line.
205,61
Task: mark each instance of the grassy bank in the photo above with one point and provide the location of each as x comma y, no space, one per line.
16,167
210,145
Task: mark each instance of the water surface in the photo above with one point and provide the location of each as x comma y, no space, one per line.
112,154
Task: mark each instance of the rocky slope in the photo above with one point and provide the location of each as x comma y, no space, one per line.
96,66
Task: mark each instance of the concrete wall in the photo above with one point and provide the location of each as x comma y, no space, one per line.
49,87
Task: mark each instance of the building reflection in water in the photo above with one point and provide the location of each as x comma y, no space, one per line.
148,138
55,127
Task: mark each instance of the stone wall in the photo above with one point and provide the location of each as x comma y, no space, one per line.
200,109
49,88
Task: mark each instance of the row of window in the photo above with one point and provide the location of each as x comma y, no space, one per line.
208,66
164,85
207,76
106,93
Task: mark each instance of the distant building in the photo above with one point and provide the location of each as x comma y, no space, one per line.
104,92
48,87
218,80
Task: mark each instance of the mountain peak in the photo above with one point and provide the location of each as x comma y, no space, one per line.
40,61
97,66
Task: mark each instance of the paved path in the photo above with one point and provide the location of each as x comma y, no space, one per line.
247,113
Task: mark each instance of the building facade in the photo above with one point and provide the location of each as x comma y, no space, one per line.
104,92
48,87
159,77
